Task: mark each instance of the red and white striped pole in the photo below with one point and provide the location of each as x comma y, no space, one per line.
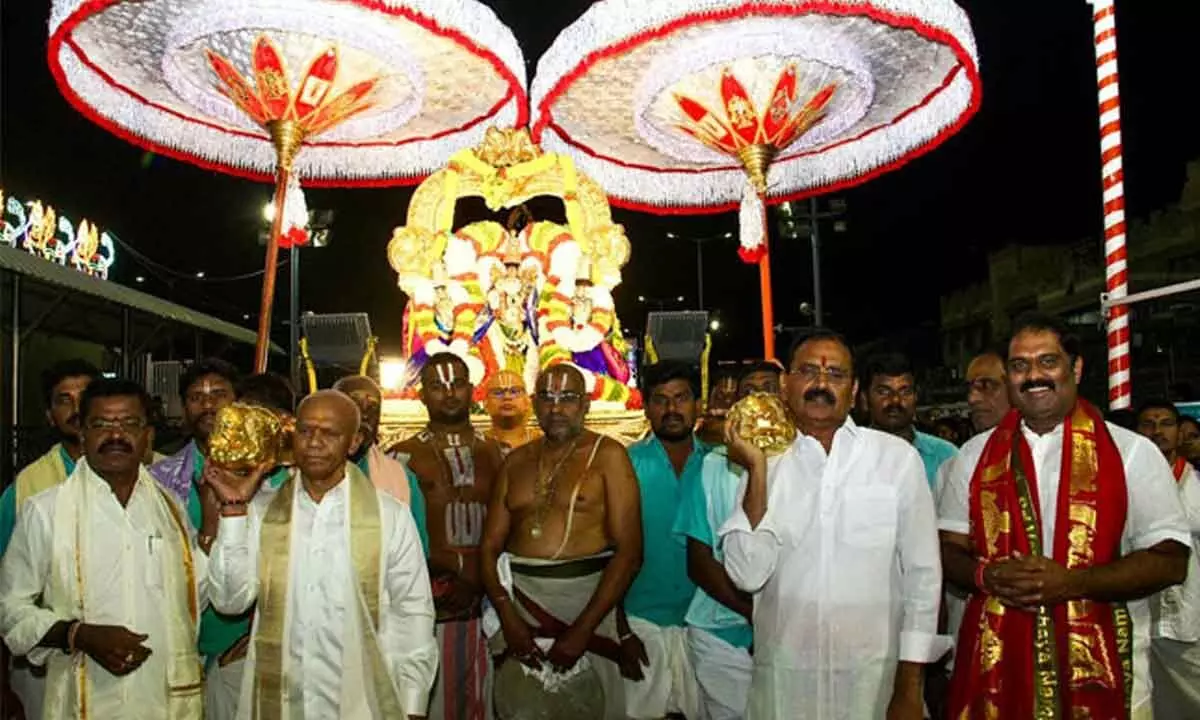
1104,17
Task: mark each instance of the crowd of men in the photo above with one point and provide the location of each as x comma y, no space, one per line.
1045,569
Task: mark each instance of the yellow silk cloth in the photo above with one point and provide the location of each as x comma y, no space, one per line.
67,595
270,699
41,474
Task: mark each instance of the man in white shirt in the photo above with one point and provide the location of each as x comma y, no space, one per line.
1051,562
1175,636
344,622
103,581
836,540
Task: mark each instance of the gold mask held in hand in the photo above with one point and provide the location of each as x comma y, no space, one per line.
762,419
244,437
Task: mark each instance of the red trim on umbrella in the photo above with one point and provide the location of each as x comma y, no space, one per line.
93,7
545,116
838,186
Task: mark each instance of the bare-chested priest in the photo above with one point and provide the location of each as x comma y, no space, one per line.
456,468
563,543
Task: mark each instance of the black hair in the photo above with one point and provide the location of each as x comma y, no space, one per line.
815,334
993,349
1123,418
761,366
664,372
270,390
1158,404
113,387
887,364
207,366
63,369
1041,322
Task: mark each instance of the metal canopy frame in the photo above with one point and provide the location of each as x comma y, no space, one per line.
40,295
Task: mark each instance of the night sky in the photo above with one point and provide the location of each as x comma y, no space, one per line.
1025,169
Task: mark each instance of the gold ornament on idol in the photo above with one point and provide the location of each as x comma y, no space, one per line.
762,419
547,483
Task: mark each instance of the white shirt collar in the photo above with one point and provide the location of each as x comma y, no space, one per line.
1030,434
336,493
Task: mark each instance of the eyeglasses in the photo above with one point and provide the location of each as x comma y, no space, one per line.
567,397
883,392
126,425
812,373
503,393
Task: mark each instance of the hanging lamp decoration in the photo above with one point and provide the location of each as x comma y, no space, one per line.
321,92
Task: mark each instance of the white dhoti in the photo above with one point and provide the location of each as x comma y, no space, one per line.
669,684
722,673
222,689
549,595
28,683
1175,669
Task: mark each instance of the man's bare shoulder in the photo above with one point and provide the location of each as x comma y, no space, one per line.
609,450
408,446
523,454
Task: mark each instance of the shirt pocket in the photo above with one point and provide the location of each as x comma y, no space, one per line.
155,547
869,517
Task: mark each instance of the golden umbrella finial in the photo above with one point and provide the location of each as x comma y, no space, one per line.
756,159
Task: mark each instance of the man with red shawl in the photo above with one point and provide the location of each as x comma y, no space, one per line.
1059,526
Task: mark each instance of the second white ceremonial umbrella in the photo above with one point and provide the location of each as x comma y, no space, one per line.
331,92
691,106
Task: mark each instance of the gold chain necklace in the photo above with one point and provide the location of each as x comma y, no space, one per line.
546,485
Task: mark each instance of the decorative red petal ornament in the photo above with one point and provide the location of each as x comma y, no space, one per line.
739,108
350,103
271,77
317,83
235,87
776,116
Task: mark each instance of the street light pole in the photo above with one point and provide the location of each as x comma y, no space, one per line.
818,315
294,287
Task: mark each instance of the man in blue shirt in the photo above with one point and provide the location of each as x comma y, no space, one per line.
63,384
890,389
658,600
718,619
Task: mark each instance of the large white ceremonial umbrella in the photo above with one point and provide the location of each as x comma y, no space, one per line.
331,92
686,106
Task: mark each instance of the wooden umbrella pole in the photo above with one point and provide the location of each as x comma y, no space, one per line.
764,288
287,137
756,159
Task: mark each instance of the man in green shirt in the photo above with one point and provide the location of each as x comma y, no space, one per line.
658,599
224,638
718,619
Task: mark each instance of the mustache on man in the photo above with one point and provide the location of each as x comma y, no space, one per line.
815,394
1029,385
114,444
